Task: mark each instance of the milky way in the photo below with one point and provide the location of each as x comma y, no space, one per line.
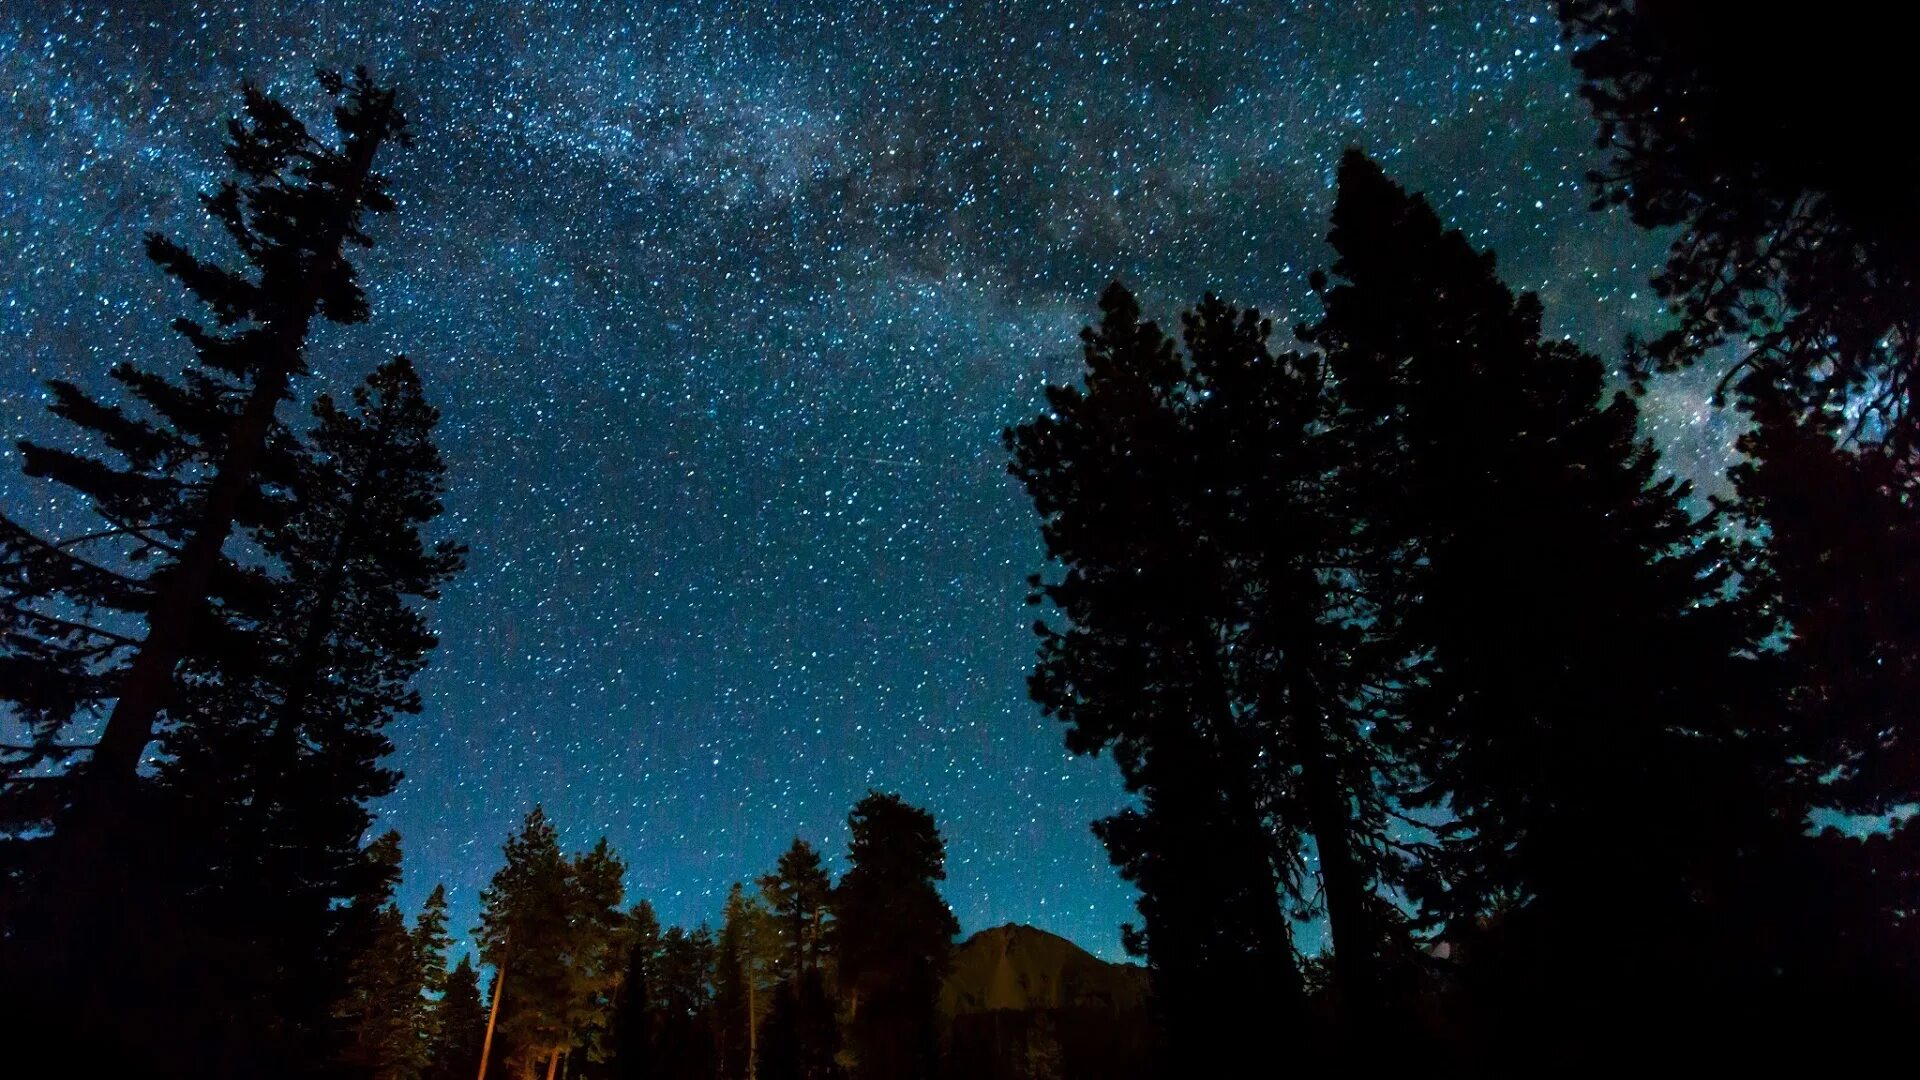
725,305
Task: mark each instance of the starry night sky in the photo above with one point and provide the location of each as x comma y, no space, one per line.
725,305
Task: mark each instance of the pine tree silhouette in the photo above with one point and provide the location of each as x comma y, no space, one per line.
684,1039
595,948
262,797
459,1025
196,467
1271,463
524,928
1137,668
892,938
150,617
1573,696
1217,611
1795,227
631,1030
386,1011
798,895
1839,566
749,950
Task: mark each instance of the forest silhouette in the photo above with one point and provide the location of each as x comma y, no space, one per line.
1391,621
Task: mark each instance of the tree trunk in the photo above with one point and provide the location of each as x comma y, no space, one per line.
493,1015
1331,821
182,596
106,785
553,1065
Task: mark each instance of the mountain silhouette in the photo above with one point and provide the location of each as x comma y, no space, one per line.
1021,1002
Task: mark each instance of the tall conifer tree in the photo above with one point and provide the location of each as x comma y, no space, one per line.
106,635
893,938
748,952
683,983
153,623
554,925
459,1025
525,932
595,953
799,896
632,1026
1138,668
387,1011
1573,693
264,792
1216,601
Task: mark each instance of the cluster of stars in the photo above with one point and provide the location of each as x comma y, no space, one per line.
725,303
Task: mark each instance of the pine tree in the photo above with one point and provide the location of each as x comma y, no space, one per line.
595,954
631,1030
731,1015
798,894
1217,600
106,635
1838,564
459,1025
892,938
553,924
387,1011
802,1036
524,933
431,940
748,952
683,981
1794,224
1271,464
263,795
1795,219
1833,561
1574,692
147,619
354,569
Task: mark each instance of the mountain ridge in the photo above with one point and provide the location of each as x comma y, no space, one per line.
1022,967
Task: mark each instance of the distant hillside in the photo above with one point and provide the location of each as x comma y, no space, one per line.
1018,997
1019,967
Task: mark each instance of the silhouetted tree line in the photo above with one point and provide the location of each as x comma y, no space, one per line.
1404,629
805,979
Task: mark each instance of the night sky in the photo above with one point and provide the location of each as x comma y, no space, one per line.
725,305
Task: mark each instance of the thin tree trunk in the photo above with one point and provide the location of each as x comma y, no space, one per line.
553,1065
106,784
1331,821
182,596
493,1015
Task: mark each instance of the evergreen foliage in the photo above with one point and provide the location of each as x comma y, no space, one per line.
1796,222
892,939
459,1025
